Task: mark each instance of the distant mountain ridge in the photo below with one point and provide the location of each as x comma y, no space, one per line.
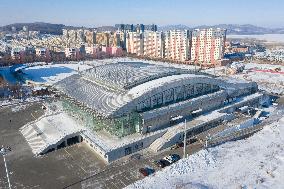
48,28
233,29
44,28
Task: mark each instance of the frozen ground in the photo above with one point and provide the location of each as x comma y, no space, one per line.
256,162
271,82
268,37
18,101
52,73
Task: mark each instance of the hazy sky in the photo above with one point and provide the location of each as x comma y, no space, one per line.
269,13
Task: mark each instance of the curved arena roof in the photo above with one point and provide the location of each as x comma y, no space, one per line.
112,90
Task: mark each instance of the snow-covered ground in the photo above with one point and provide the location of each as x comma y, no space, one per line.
18,102
271,82
268,37
256,162
52,73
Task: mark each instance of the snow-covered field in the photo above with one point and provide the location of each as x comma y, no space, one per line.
279,38
52,73
18,102
256,162
271,82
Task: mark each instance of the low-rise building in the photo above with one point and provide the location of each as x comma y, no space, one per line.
42,52
18,53
72,52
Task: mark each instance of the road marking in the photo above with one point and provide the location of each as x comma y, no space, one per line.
75,161
33,115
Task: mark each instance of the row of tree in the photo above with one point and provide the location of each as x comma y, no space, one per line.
7,60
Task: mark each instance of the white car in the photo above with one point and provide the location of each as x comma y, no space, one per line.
172,158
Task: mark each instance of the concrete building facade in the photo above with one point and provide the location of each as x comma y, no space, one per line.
134,43
208,46
153,44
177,45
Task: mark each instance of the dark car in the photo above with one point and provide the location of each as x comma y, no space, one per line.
162,163
192,140
136,156
146,171
177,145
175,157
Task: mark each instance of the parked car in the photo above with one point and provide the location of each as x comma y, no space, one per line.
192,140
162,163
177,145
146,171
172,158
136,156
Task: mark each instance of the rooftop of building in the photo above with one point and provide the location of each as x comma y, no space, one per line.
110,90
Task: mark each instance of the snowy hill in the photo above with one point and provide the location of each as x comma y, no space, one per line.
256,162
233,29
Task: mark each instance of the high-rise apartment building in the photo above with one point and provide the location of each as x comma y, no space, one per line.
122,38
90,37
177,45
137,28
207,46
103,39
114,40
124,27
151,27
153,44
80,36
134,43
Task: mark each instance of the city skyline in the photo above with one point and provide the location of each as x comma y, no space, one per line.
95,13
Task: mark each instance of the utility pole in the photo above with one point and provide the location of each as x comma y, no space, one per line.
184,140
3,152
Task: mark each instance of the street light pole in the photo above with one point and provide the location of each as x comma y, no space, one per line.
184,140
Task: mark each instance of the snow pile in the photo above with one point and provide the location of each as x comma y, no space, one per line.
257,162
52,73
19,107
18,101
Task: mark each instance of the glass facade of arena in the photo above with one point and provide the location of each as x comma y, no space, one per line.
174,95
120,127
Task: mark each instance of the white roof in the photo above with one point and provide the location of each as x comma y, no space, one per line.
148,86
49,130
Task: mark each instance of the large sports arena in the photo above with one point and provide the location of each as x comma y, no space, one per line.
142,104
